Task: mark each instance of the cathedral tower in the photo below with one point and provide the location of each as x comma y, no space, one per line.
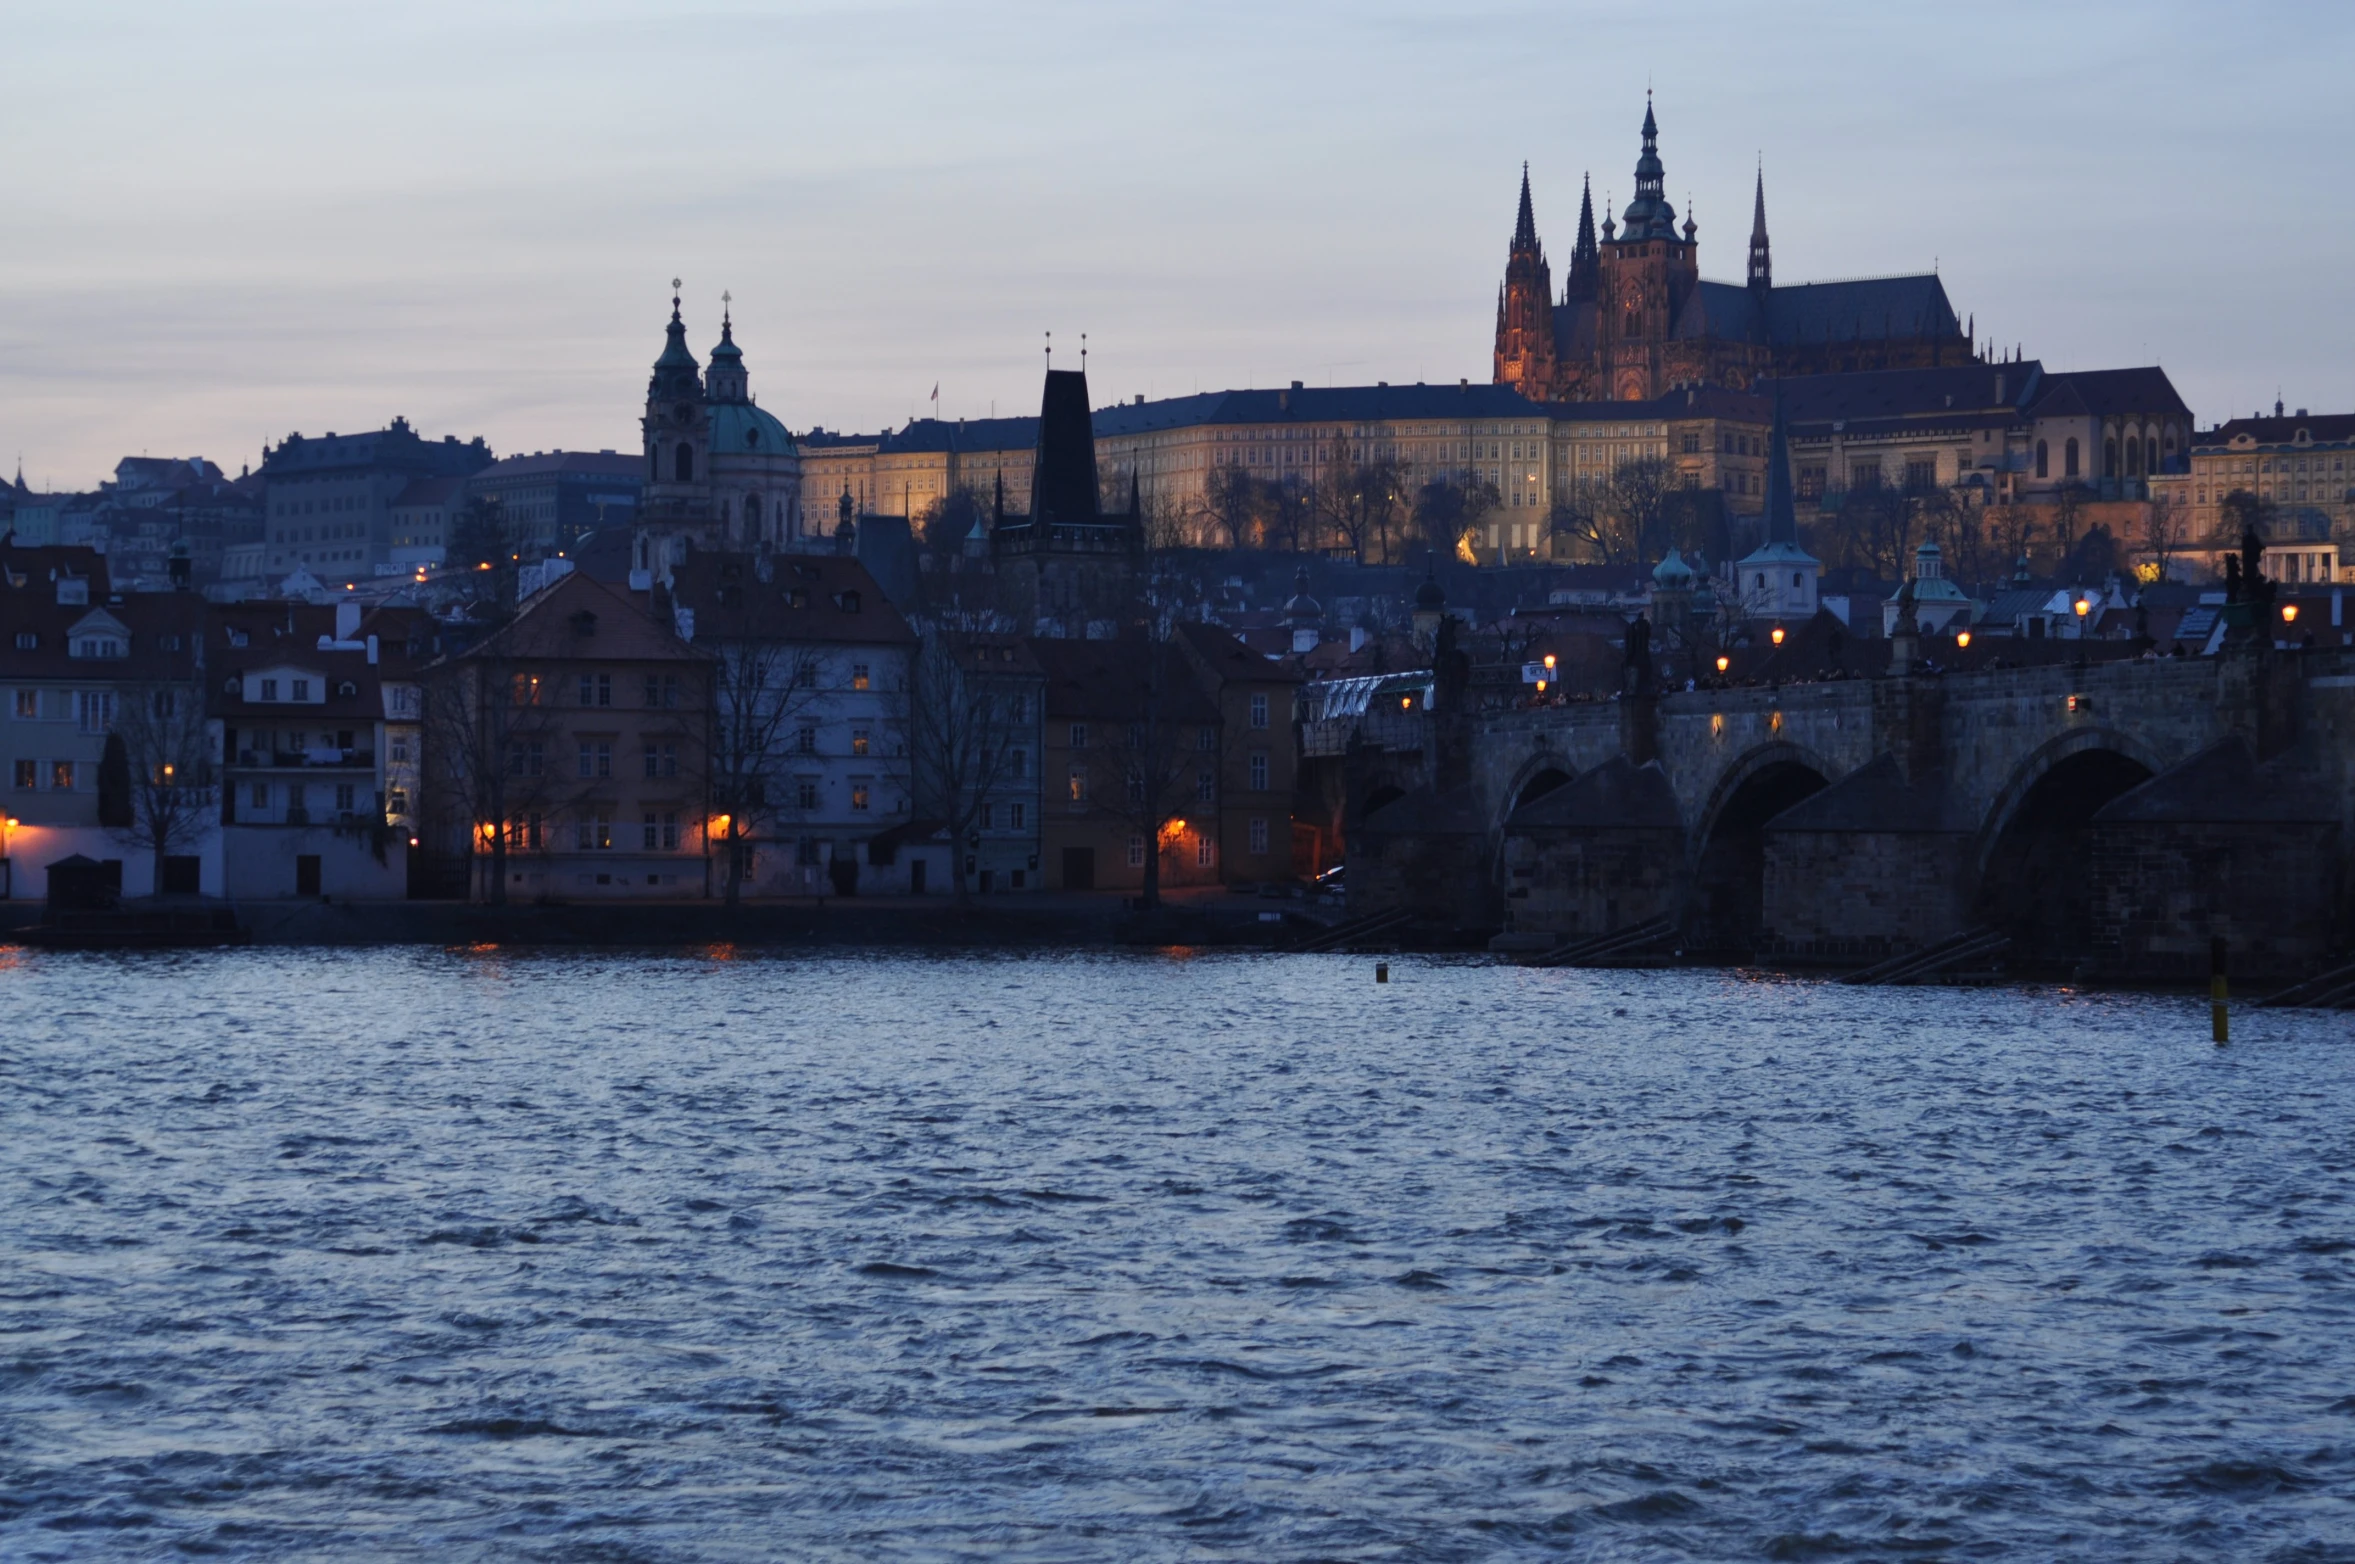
1648,271
1525,309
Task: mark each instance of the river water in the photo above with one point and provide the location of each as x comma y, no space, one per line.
491,1255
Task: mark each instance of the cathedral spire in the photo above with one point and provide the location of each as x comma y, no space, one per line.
1585,258
1525,226
1761,259
1649,216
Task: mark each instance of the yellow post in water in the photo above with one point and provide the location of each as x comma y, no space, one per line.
2219,1019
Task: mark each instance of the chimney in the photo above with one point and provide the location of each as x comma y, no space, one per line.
347,619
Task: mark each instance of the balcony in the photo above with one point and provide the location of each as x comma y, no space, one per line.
307,759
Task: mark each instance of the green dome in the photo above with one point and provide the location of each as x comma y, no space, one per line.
1672,573
742,428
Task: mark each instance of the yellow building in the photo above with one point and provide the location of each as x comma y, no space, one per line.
908,471
2299,469
1307,441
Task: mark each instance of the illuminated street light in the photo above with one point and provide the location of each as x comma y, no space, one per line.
2289,613
1778,635
1962,637
1724,663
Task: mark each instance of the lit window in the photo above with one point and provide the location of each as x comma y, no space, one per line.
1079,785
858,741
858,676
858,795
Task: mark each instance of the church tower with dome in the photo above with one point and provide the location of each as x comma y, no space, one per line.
720,472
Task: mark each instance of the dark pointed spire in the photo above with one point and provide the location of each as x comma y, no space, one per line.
1525,225
1761,258
1586,264
1649,216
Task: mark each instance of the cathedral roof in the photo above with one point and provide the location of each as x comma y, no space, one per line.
2098,392
1861,309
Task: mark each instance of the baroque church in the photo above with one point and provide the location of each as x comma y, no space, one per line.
1635,320
720,472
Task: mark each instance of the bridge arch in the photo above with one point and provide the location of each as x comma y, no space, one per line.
1539,775
1725,905
2032,863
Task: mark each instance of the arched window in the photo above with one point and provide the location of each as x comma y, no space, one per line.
2043,460
2069,458
683,463
1795,579
751,514
2109,458
2133,457
2150,454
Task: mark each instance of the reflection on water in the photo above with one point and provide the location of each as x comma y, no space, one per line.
726,1255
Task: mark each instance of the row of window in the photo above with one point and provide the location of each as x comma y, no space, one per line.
297,797
90,710
56,775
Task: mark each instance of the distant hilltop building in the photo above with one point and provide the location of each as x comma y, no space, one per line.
720,472
1635,319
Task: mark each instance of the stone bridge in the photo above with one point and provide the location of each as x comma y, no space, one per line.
2112,816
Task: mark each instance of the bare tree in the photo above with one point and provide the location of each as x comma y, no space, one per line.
1449,510
1149,776
1292,516
1363,502
1230,503
762,687
967,729
488,737
2163,532
172,791
1623,519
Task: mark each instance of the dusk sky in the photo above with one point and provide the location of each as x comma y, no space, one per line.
225,222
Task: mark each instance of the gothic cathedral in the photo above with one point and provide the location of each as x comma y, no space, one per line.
1635,319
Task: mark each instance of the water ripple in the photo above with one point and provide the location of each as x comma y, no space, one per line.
486,1255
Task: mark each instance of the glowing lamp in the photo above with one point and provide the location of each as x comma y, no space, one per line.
1406,703
1724,663
412,841
1962,637
1541,686
2289,612
2084,606
1778,635
719,825
1549,662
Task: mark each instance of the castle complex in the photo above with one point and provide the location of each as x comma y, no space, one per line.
1635,320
